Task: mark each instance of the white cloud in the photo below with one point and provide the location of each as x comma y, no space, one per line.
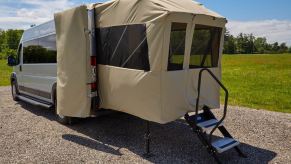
35,12
273,30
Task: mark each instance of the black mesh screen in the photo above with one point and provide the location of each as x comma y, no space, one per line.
205,46
123,46
177,46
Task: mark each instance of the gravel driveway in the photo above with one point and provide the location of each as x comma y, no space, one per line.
30,134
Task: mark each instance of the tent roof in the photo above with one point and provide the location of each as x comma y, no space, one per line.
186,6
133,11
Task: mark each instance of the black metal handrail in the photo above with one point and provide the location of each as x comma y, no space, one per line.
198,97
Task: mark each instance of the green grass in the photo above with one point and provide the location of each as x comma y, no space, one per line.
5,72
259,81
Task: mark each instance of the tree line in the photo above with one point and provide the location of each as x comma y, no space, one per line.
9,40
249,44
241,44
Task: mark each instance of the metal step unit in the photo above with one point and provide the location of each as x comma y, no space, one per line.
208,125
224,144
207,122
34,102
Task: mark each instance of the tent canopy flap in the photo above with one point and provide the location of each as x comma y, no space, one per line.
72,59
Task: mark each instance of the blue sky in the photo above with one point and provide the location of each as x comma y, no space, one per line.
264,18
251,10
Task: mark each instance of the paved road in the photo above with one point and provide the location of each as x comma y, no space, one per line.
31,134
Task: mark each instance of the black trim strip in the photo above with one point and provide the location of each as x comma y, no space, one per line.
35,92
35,99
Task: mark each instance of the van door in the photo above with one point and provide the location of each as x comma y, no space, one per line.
39,67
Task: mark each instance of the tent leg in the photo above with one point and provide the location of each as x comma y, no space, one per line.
240,153
216,158
147,138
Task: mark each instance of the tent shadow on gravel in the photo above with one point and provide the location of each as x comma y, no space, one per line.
171,143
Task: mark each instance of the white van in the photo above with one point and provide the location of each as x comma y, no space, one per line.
35,70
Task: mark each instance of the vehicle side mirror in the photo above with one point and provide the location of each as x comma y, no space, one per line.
11,61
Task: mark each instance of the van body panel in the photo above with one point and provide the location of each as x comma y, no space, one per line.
39,77
36,79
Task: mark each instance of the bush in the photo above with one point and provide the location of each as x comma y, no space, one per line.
2,55
7,52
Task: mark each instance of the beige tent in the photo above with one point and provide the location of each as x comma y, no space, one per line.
149,54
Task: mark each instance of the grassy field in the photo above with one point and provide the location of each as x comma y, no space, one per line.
5,72
255,81
259,81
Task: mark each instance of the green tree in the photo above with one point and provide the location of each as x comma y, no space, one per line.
229,43
2,39
9,41
275,47
260,45
245,43
250,46
240,43
283,48
13,38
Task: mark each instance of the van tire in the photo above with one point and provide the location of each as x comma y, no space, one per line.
65,120
14,90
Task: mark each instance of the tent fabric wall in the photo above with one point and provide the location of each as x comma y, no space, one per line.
72,59
136,92
157,94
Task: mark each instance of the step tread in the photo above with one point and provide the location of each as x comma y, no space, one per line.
224,144
209,124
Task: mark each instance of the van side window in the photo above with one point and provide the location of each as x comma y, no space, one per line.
123,46
177,46
205,47
41,50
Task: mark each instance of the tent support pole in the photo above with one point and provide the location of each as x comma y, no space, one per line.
147,138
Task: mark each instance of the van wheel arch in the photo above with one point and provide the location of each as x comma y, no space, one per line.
13,77
14,87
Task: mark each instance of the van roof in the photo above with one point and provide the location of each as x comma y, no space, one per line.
43,29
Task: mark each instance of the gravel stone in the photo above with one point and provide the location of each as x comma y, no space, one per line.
30,134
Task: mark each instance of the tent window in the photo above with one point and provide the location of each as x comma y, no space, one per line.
41,50
177,46
205,47
123,46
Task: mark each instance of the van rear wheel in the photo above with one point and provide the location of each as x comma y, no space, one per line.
65,120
